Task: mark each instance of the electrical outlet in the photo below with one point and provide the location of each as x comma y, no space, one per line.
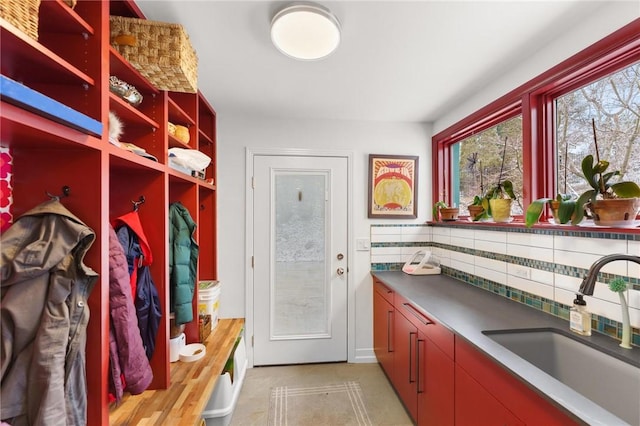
522,272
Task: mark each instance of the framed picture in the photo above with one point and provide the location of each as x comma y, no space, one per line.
393,186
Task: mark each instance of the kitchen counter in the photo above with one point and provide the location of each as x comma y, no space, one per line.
468,311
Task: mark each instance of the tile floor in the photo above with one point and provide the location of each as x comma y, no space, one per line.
382,404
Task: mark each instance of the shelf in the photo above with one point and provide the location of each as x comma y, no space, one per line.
130,114
61,19
122,69
204,137
26,98
178,176
27,61
123,159
178,116
177,143
20,128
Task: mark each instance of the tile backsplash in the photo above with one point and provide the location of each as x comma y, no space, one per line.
542,268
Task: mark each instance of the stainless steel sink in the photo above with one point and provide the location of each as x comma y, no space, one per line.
610,382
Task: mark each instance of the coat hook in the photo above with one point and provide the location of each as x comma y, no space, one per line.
66,190
141,200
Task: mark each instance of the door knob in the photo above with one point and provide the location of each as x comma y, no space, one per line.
340,271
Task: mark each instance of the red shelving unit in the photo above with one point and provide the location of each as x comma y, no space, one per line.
71,63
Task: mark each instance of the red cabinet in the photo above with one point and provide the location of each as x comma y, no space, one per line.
435,385
474,405
523,402
442,380
383,314
425,372
405,378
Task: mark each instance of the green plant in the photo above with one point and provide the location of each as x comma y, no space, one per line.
437,206
565,210
442,212
596,175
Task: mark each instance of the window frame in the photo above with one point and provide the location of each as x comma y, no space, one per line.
535,101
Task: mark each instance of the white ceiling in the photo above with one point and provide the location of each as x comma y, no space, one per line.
398,60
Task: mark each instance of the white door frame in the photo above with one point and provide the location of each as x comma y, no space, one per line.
351,307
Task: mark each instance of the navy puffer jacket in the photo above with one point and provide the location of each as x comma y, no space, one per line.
183,262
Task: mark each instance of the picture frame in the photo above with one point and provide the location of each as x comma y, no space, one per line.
393,186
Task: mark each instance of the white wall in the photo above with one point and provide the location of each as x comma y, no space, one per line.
609,18
235,134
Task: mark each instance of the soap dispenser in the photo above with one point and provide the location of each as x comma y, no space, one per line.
579,317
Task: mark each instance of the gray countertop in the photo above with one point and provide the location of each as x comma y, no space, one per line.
468,311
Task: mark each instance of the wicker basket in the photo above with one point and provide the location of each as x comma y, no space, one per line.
161,52
23,14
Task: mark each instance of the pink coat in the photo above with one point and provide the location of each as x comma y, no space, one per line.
127,358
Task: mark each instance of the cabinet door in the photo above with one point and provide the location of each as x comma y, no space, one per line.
383,332
435,385
474,405
530,407
405,378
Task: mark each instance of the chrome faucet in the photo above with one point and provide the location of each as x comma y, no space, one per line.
589,282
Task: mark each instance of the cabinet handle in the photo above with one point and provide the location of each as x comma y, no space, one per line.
420,390
411,333
389,319
416,314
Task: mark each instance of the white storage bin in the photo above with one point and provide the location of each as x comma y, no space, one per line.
225,395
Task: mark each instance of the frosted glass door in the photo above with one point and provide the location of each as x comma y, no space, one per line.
300,239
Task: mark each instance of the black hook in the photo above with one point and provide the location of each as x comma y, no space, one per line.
66,190
141,200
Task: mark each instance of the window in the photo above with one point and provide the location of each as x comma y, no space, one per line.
554,112
478,162
613,103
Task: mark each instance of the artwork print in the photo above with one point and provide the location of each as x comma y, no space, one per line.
393,186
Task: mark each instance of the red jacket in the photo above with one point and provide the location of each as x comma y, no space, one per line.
127,357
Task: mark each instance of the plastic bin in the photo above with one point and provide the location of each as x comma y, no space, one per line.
209,300
225,395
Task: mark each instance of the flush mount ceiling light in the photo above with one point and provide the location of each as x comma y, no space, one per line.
305,31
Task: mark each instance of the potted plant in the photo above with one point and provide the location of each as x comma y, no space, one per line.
442,212
497,201
476,209
611,204
562,208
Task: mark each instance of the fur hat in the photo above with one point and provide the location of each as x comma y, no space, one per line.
115,127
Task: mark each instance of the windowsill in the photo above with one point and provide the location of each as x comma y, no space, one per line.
518,224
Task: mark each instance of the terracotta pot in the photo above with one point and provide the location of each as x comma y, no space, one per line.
474,211
500,209
555,205
449,213
617,212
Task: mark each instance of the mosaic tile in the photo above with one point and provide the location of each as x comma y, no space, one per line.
601,324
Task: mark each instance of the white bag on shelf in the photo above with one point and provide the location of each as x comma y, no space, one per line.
190,158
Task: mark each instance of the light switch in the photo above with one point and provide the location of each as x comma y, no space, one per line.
362,244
